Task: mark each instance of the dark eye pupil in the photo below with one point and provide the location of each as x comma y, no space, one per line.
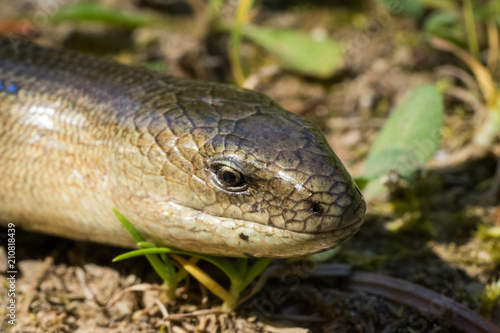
228,177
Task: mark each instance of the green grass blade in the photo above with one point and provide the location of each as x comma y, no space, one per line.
254,271
205,279
222,263
130,228
239,274
148,251
412,7
146,245
165,270
235,41
242,266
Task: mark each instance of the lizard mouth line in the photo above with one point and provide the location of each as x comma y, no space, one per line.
354,225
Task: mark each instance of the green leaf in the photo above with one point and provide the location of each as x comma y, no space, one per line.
146,245
222,263
447,5
410,137
96,13
129,226
361,182
298,51
446,25
165,271
242,266
254,271
238,273
413,7
143,252
374,189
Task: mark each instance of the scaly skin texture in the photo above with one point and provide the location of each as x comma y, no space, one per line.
80,135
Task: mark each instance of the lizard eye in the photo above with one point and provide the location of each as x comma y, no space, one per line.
229,178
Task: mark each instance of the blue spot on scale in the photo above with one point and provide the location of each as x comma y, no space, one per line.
12,88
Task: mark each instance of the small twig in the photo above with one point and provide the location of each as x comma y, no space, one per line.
274,329
467,97
202,324
80,276
137,287
483,77
37,281
162,308
493,42
458,158
421,299
181,316
461,74
300,318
